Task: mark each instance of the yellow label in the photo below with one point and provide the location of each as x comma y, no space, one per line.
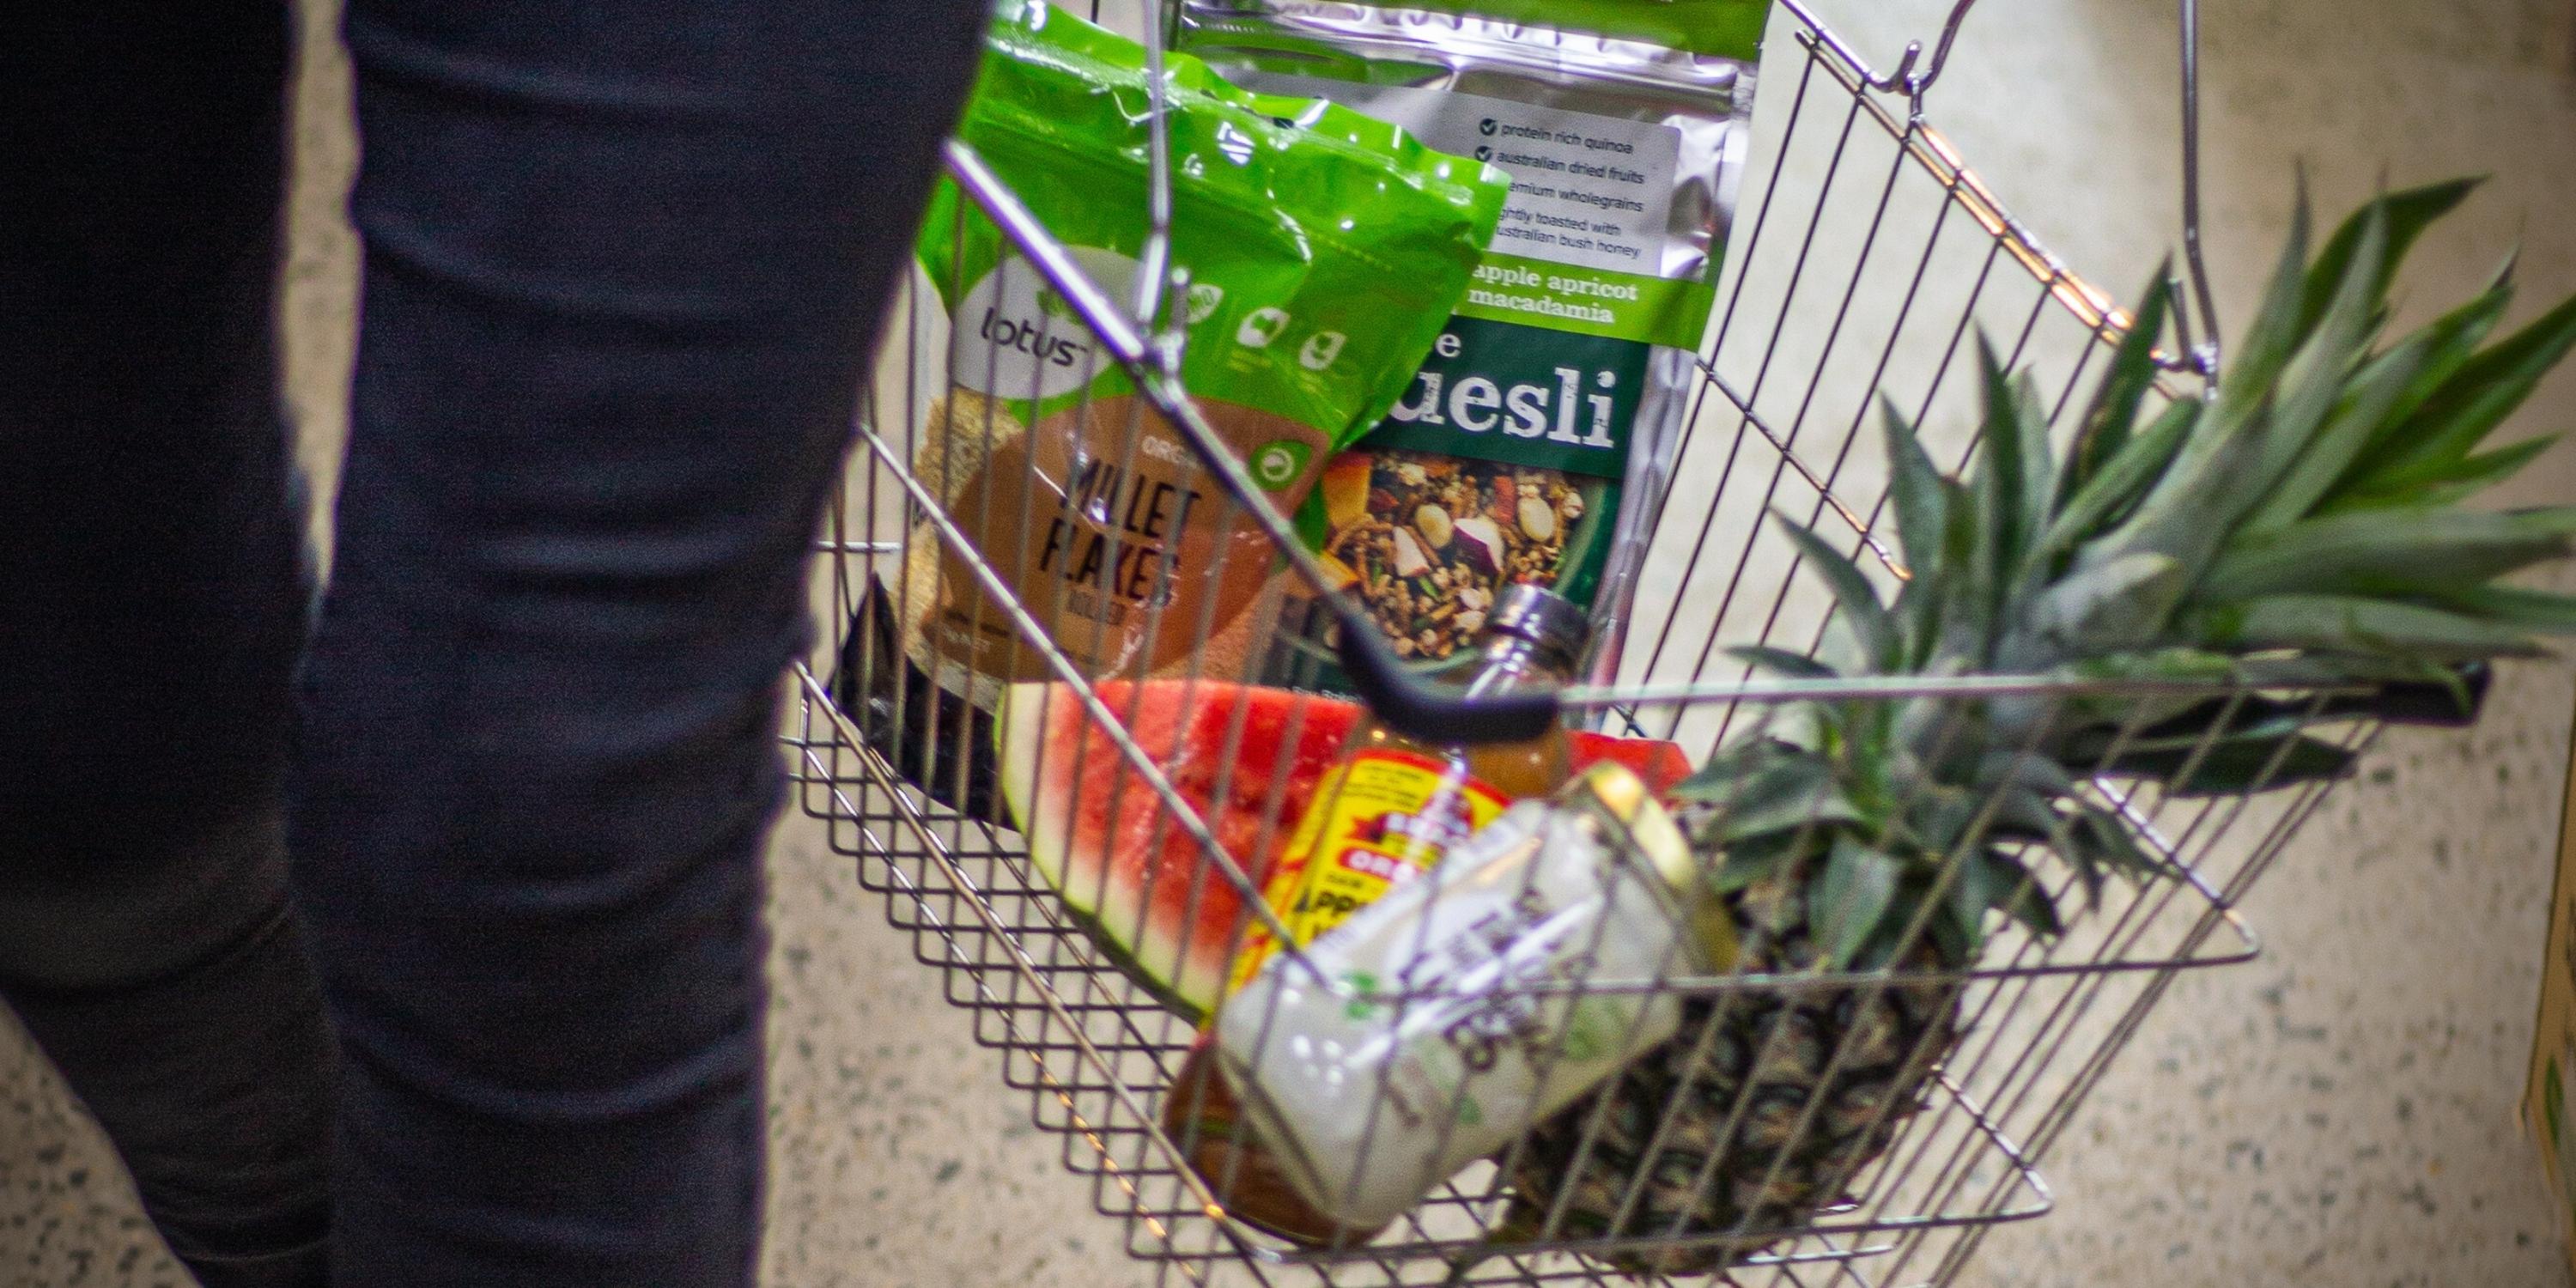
1380,819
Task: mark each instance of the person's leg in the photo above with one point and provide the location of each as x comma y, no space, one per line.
153,609
624,262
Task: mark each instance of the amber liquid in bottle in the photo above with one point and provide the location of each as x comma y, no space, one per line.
1386,813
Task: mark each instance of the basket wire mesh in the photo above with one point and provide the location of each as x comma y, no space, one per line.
1866,263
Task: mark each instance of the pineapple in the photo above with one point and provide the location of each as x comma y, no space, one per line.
2298,529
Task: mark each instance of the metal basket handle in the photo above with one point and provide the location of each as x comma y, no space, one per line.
2202,356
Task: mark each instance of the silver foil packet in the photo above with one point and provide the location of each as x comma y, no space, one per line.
1567,374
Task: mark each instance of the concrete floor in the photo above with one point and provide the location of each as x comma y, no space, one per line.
2338,1113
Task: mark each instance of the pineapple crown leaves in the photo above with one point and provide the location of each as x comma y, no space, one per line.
1890,848
2310,504
2298,527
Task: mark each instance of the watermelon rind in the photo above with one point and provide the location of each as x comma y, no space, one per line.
1021,732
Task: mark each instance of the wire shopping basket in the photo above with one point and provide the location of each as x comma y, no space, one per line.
1859,1126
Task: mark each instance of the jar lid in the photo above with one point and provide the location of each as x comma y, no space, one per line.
1541,616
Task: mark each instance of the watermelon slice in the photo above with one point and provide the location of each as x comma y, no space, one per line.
1102,836
1104,839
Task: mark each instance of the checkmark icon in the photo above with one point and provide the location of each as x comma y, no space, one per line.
1485,126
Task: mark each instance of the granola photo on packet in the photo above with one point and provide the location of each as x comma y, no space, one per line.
1427,540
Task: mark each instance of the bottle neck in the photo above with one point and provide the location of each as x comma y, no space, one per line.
1510,663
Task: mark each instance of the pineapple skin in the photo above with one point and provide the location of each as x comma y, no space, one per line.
1861,1054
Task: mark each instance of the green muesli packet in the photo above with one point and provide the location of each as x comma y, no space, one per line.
1324,249
1537,441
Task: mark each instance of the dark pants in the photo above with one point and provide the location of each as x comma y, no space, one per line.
623,261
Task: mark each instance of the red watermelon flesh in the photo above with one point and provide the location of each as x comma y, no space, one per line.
1661,764
1104,839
